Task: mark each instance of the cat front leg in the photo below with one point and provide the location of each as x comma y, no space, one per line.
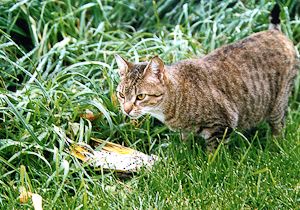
214,135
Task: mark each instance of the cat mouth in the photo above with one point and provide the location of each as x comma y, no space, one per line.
133,116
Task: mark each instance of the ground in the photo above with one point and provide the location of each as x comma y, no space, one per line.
57,61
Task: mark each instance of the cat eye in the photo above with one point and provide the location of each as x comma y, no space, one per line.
141,96
121,95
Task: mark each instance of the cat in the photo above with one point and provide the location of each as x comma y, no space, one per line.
236,86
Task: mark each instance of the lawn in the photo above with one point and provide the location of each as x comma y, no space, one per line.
57,61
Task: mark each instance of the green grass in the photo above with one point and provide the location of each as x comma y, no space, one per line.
56,61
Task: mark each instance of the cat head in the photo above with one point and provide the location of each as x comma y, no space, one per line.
141,89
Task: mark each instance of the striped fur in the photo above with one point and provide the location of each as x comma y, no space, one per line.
235,86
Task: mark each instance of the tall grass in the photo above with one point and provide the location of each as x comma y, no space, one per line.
56,61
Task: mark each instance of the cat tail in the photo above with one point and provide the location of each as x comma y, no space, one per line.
275,18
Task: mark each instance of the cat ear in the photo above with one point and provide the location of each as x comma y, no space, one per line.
156,66
122,65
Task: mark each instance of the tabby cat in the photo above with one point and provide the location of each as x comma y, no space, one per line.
235,86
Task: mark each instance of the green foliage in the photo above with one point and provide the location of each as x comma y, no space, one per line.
56,61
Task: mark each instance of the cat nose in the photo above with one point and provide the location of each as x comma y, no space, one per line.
128,107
